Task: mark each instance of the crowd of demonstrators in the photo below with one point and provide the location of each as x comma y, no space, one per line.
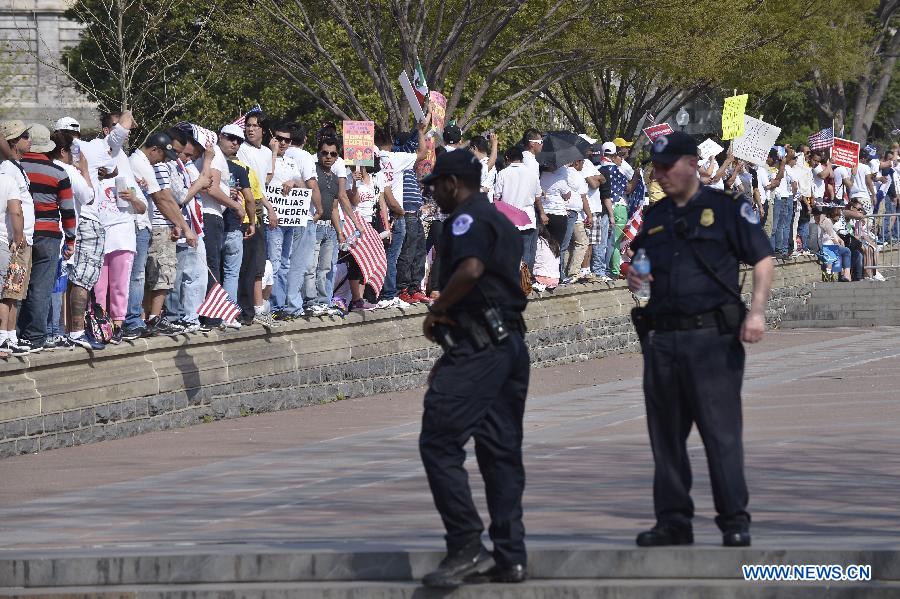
88,227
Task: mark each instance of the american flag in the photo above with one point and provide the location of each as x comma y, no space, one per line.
649,117
369,254
241,120
821,140
617,180
218,305
631,230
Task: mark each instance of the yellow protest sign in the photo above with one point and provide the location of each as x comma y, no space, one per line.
733,116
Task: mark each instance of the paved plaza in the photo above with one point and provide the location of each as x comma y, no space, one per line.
821,419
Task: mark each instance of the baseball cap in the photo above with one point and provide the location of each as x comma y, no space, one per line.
462,163
163,141
40,138
67,123
233,129
621,143
667,149
12,129
609,148
872,151
452,134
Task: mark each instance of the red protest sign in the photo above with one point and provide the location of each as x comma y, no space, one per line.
658,130
845,152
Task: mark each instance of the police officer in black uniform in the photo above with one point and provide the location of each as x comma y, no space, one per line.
691,332
478,387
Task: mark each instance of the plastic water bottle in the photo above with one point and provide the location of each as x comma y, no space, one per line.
641,267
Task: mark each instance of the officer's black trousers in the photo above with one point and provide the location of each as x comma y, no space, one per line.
478,394
695,377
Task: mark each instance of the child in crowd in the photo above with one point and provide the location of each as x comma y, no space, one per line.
546,262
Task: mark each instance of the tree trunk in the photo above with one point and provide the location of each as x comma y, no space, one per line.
872,87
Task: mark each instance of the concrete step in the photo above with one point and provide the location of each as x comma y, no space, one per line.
243,566
533,589
827,324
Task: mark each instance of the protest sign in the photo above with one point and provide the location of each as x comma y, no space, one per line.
426,165
709,148
658,131
756,141
410,94
845,152
359,141
733,116
293,209
438,110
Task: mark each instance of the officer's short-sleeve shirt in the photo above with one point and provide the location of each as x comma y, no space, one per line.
723,229
477,230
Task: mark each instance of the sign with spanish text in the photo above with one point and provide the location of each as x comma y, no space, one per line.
756,141
658,131
293,209
733,116
359,143
438,110
845,152
709,148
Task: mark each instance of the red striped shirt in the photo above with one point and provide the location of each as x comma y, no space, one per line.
54,205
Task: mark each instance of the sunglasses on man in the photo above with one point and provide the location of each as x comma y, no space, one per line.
326,154
232,138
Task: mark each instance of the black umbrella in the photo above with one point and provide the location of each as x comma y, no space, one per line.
559,149
573,138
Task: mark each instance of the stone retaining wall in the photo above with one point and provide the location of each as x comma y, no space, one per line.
63,398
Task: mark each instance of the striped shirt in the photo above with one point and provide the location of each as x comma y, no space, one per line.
54,203
163,179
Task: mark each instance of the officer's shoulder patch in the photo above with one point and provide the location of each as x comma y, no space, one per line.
462,224
749,214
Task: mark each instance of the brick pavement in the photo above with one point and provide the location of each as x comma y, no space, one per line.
821,415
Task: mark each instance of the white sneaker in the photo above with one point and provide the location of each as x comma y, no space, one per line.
317,310
393,303
231,325
605,279
538,287
878,276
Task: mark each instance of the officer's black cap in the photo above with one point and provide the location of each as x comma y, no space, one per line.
461,163
667,149
163,142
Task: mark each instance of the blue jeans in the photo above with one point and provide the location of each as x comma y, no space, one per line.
54,326
843,253
600,254
398,234
36,305
189,289
803,232
302,249
566,242
233,253
781,224
279,246
529,247
319,281
136,286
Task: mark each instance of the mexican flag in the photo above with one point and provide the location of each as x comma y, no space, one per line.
419,84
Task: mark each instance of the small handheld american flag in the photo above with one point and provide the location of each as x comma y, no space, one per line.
218,305
821,140
242,120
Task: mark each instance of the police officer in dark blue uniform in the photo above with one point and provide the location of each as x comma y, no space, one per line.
691,332
478,387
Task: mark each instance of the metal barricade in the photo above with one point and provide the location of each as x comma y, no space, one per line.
880,237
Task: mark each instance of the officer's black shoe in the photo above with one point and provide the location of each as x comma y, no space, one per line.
457,566
665,534
507,574
736,538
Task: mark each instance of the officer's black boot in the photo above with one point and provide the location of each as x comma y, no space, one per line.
666,534
736,538
506,574
454,568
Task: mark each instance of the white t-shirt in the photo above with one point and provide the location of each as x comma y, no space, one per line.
367,194
579,187
392,165
82,192
818,182
626,169
285,170
518,186
21,181
219,163
595,200
786,188
531,162
143,171
804,178
555,184
8,191
306,162
713,166
860,189
841,173
488,177
259,159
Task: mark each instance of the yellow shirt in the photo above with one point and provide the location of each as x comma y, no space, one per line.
255,188
655,191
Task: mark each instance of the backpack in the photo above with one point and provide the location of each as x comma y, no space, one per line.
97,321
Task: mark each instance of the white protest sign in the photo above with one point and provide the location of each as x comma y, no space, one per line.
709,148
410,94
293,209
758,138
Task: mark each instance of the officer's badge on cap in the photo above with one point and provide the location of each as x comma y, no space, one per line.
660,144
462,224
667,149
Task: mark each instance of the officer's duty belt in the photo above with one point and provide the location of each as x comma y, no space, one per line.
665,322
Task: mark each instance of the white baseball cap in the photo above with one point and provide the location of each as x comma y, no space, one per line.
233,129
608,148
67,123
